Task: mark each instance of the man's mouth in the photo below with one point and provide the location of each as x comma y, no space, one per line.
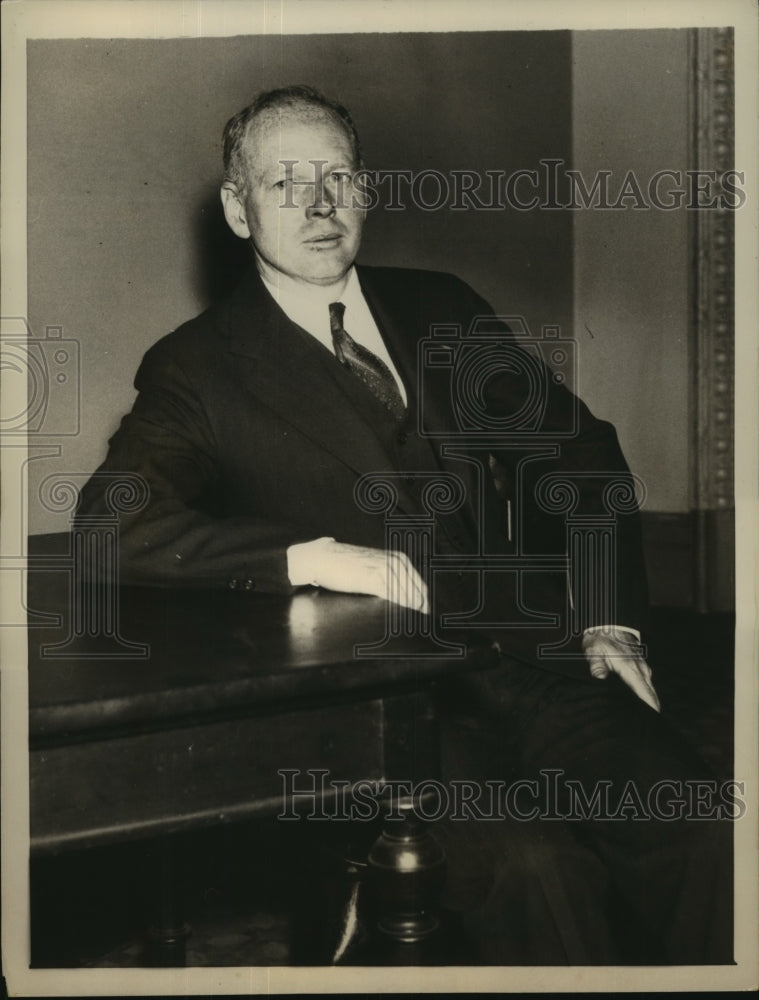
325,238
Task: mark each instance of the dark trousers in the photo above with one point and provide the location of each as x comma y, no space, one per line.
614,882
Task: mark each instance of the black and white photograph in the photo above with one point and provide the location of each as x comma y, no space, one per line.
379,441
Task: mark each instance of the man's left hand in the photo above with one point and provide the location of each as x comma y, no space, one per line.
612,651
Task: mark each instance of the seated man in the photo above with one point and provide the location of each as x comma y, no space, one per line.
255,422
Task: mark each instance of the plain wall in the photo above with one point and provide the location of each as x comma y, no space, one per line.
630,112
126,239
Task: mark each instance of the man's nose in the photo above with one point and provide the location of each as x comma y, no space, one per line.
323,205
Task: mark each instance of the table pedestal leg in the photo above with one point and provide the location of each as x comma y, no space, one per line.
406,873
167,932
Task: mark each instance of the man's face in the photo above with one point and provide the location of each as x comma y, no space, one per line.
299,205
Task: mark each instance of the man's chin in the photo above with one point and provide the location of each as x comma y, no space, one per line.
327,273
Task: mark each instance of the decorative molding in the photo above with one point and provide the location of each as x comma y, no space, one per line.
712,297
713,290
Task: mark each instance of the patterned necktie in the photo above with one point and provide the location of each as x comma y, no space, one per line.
372,370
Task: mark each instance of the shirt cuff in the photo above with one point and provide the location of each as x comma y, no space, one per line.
613,628
303,561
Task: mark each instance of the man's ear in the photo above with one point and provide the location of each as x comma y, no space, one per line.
234,210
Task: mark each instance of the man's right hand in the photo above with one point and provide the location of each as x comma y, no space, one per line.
356,569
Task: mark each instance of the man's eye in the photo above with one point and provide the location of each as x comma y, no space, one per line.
283,183
341,176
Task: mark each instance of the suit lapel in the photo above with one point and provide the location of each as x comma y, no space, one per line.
289,371
405,316
392,318
404,320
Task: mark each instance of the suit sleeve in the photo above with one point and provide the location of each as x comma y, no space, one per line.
167,441
588,455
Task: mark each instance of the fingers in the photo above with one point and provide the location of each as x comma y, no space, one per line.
356,569
404,584
598,667
607,654
637,676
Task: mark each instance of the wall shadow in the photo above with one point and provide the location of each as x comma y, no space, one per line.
221,257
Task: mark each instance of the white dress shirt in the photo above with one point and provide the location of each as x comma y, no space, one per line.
308,306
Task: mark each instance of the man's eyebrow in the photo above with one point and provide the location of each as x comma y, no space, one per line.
305,171
287,165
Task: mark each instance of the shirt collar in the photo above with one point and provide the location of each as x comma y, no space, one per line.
306,304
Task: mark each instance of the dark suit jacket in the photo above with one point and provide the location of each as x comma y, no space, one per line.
251,437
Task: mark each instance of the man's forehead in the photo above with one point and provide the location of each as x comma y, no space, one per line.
304,123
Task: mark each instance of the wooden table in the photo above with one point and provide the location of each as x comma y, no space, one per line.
220,693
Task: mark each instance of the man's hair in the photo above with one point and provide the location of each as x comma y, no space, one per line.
296,96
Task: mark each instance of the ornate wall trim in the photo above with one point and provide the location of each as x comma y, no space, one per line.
713,316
